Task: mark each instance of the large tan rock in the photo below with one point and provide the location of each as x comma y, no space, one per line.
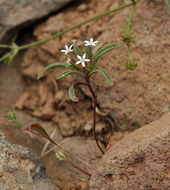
20,170
140,161
17,14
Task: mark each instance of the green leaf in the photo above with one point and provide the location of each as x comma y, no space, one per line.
105,74
72,67
70,58
168,3
91,68
87,51
51,66
165,110
37,129
71,94
96,49
68,72
11,115
104,50
76,49
61,156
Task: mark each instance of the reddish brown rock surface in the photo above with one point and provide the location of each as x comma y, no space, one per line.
140,161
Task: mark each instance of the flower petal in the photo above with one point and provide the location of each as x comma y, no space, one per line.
84,56
91,40
66,46
86,60
83,64
78,62
79,57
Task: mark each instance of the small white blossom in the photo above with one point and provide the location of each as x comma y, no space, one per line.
91,42
82,60
67,49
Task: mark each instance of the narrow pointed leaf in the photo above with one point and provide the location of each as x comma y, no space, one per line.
91,68
87,51
68,72
70,58
72,67
71,94
51,66
105,74
76,49
94,51
61,156
104,50
39,130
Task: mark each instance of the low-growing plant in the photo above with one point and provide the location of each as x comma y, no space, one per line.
81,62
84,65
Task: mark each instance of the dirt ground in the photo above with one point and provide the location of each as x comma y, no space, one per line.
137,97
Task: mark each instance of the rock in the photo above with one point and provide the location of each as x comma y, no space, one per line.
138,161
76,186
20,170
63,122
18,14
138,96
2,136
82,7
21,100
88,126
59,96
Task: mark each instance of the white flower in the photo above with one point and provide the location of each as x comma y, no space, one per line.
67,49
82,60
91,42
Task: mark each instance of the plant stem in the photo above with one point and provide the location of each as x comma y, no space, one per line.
130,18
74,27
94,112
75,166
4,46
128,47
66,151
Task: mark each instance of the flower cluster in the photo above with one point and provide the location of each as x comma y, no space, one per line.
82,59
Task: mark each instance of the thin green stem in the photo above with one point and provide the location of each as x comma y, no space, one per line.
128,47
19,123
74,27
4,46
130,18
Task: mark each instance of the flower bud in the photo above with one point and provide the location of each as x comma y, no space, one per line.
128,37
131,65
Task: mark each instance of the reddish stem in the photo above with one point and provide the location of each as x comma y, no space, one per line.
66,151
94,112
74,166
